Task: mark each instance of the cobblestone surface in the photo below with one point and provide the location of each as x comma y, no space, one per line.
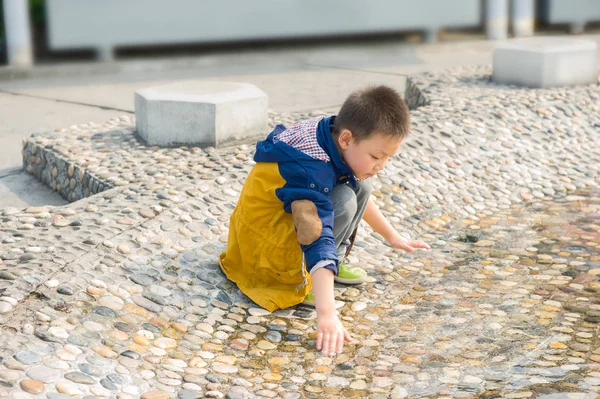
119,294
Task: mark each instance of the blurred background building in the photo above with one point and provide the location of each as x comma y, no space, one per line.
42,31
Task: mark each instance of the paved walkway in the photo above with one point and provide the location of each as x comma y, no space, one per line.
119,294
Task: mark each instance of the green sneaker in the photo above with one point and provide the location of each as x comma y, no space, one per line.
350,275
309,300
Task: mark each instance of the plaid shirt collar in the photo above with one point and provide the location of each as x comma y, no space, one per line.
325,139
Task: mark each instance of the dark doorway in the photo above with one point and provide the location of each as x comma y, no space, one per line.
3,52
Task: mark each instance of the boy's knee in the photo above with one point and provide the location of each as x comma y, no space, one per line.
307,221
365,188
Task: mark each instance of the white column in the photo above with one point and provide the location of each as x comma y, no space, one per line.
18,33
522,17
496,19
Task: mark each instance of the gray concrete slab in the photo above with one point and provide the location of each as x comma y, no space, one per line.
317,76
428,57
312,88
313,73
22,115
411,59
19,189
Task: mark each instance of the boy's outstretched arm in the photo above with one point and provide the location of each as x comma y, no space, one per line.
331,333
380,224
309,228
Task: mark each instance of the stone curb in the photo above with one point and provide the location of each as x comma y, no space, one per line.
60,174
413,94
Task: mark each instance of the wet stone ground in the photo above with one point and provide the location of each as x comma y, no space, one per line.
509,303
119,294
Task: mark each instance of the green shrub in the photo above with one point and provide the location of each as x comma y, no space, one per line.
1,22
38,11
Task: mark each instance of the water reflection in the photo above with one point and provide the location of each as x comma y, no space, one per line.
511,304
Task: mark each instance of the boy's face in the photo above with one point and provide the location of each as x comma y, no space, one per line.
367,157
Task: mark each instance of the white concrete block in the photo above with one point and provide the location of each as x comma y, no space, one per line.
545,62
200,113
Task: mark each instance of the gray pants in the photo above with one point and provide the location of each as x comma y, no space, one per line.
349,205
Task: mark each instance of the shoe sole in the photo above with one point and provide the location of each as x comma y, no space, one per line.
338,304
308,303
350,281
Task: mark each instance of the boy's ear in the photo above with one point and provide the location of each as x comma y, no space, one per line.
345,138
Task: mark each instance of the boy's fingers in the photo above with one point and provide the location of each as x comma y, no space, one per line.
319,340
347,336
406,247
419,244
326,343
332,344
340,343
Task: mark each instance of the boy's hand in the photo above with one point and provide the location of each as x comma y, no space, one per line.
409,246
379,223
331,335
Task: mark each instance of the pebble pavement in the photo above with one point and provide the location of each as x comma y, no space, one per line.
119,294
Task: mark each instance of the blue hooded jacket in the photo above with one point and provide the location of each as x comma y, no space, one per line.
309,178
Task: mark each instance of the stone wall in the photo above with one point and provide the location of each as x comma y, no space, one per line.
71,181
413,95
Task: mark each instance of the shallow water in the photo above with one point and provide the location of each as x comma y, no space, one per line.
504,306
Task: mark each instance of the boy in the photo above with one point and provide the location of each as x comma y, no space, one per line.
302,202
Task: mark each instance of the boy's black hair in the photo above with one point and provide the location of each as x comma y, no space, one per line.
375,109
